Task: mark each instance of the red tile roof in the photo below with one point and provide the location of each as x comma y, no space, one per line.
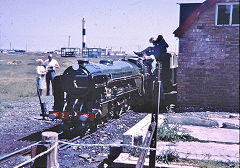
188,22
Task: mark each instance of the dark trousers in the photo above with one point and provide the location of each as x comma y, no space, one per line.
49,77
149,51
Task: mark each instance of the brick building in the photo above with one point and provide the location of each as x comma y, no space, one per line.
208,72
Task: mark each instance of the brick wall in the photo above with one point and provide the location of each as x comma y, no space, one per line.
208,73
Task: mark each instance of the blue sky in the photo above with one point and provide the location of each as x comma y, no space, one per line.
44,25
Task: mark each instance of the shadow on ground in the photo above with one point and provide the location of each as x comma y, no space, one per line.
38,135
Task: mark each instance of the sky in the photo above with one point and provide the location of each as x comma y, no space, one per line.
45,25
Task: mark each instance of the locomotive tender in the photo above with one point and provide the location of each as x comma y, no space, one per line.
87,93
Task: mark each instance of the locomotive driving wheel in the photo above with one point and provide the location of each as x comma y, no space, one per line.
121,107
126,105
67,128
72,128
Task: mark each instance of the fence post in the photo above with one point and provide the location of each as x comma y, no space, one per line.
152,156
52,156
49,160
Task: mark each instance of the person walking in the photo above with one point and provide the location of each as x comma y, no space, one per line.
51,65
41,72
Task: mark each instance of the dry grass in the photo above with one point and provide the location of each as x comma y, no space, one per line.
18,73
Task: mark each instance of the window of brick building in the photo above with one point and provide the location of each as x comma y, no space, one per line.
227,14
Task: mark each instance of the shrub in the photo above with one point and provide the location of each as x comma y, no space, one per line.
168,156
167,132
135,152
171,132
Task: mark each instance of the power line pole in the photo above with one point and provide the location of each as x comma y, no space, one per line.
0,33
0,36
69,41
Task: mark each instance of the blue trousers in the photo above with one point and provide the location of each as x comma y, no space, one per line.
49,78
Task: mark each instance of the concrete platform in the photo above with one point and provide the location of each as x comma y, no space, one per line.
202,151
215,143
217,135
136,134
131,161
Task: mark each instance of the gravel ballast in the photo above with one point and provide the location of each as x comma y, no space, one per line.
21,125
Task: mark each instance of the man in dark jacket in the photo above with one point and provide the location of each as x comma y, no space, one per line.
158,49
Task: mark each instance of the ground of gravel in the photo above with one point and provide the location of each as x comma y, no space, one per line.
21,125
18,120
110,133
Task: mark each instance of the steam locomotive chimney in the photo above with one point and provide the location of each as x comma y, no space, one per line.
83,62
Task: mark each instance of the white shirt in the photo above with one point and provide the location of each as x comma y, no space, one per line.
41,70
53,64
154,63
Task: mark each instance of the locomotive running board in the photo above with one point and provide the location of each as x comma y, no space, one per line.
118,96
124,78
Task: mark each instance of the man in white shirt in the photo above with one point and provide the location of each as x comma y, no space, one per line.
51,65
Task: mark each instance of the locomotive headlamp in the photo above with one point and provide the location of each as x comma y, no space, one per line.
53,115
83,117
75,67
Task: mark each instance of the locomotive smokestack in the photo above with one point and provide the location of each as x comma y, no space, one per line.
83,33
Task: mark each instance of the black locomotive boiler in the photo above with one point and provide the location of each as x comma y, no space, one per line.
87,93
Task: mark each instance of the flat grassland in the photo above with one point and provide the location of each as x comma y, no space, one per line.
18,73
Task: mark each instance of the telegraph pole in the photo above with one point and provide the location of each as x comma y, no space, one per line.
69,41
0,32
0,36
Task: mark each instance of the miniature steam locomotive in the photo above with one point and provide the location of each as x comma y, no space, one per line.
86,93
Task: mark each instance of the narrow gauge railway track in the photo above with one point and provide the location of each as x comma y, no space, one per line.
26,151
87,135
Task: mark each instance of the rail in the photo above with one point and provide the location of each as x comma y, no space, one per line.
18,151
37,156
